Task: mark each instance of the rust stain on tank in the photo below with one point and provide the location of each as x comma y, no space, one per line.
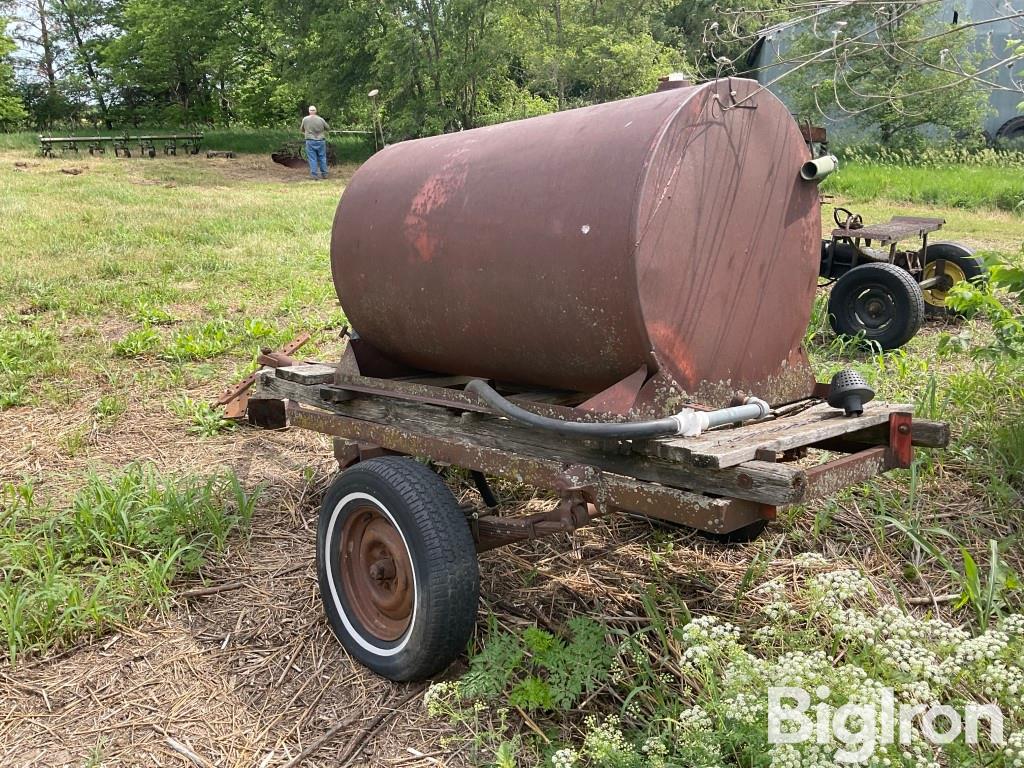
429,202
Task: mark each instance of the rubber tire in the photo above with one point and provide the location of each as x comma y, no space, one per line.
744,535
1012,131
905,293
443,555
964,258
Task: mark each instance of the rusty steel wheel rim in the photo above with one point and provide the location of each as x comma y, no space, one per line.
376,573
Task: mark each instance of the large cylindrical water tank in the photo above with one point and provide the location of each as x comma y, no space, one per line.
671,231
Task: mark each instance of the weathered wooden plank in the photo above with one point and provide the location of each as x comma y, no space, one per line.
923,434
763,482
306,373
719,449
544,403
846,471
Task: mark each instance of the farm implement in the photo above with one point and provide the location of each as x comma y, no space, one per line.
882,290
189,143
397,554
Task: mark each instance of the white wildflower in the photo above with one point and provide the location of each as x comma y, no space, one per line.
810,559
564,758
1014,625
438,695
1013,752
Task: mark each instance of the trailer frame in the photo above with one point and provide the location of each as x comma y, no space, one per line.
720,483
397,555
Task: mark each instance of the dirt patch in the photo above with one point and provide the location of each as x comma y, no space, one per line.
262,168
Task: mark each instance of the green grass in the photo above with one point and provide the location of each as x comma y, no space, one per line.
132,293
950,178
71,573
155,261
951,187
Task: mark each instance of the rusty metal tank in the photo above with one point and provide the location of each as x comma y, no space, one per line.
666,239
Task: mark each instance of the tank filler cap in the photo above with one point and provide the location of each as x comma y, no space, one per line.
849,390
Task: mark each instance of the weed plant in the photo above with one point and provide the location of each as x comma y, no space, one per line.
71,574
694,691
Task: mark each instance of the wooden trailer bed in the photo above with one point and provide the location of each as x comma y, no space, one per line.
725,481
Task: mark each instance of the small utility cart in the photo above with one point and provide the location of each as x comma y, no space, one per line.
397,555
883,291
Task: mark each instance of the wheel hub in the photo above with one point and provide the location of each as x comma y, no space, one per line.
874,308
376,573
950,276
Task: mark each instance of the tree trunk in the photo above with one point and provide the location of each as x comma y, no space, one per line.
86,57
559,81
47,44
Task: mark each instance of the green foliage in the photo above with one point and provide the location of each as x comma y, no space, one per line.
109,407
896,68
986,300
714,35
27,352
149,313
954,176
137,343
987,597
694,692
439,66
12,111
539,671
203,419
114,552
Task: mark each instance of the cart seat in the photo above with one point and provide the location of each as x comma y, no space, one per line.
898,228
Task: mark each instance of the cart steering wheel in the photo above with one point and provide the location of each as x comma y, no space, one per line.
851,220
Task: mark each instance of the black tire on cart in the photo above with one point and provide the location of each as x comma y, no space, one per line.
958,262
880,301
397,566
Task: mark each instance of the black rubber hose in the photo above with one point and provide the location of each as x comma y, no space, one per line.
636,430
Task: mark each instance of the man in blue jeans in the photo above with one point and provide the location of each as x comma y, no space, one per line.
315,128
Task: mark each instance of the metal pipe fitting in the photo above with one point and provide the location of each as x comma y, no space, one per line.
819,168
691,423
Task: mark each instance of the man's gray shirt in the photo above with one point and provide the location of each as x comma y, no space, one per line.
314,127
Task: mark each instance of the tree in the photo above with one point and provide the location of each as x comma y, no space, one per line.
37,61
891,68
180,61
715,35
84,24
11,110
580,52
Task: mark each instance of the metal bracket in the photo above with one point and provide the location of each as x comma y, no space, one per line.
235,400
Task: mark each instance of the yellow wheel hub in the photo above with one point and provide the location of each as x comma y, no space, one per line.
937,296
